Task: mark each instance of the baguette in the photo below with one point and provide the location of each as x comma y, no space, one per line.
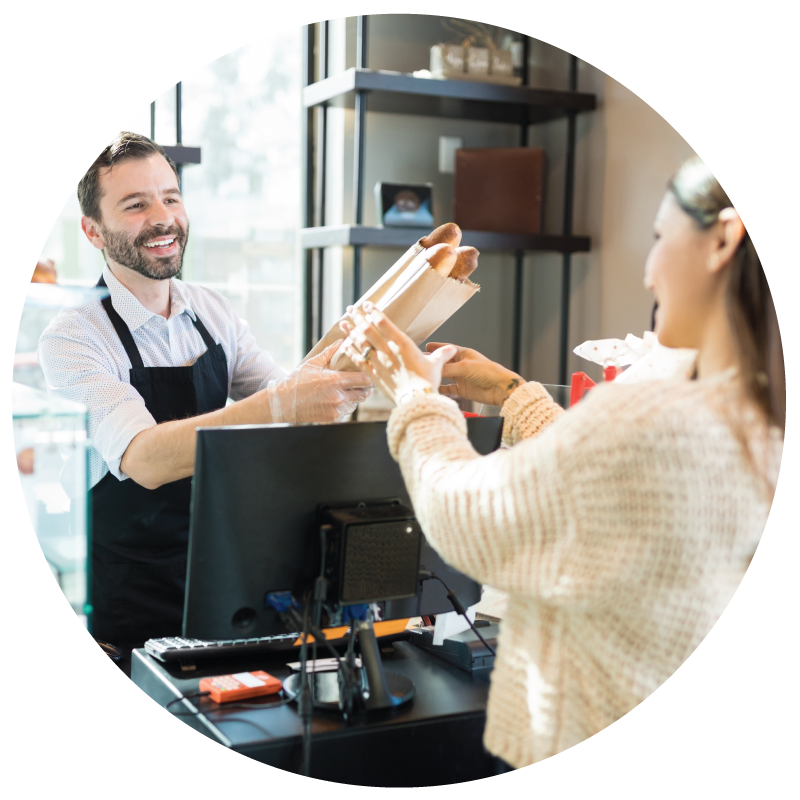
449,233
466,263
442,258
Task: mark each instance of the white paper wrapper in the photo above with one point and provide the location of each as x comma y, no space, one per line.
413,296
375,292
493,602
645,358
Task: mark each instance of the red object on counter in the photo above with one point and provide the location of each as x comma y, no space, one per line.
610,372
241,686
470,414
581,383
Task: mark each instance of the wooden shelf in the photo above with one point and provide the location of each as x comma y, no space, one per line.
397,93
362,235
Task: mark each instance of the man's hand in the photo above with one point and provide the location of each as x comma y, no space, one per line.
45,271
476,377
316,393
312,393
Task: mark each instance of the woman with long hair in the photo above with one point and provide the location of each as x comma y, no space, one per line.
621,528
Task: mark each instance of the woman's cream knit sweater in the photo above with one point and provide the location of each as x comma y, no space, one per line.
620,530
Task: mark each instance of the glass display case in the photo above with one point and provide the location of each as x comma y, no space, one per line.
559,393
52,448
50,444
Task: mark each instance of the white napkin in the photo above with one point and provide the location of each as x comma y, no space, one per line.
493,602
645,358
451,623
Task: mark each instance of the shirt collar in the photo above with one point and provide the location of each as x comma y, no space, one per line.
133,313
179,301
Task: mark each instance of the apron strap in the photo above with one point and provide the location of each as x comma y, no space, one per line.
126,337
203,331
122,330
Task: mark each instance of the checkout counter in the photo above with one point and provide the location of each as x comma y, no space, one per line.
434,739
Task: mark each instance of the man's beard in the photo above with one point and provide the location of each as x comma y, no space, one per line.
127,253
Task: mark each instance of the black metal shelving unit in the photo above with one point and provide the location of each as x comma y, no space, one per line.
179,153
398,93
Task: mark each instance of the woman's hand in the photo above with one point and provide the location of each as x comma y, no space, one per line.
390,358
476,377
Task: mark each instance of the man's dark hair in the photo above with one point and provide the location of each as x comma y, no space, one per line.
125,145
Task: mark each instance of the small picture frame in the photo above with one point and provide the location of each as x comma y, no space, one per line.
404,205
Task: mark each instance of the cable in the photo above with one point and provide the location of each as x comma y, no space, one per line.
304,697
185,697
456,603
246,721
231,719
284,701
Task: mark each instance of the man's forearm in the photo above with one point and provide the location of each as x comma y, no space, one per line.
165,452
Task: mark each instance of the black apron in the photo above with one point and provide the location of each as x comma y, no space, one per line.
140,536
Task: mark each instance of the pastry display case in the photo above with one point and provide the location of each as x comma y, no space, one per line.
51,450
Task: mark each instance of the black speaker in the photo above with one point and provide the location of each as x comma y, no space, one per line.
371,553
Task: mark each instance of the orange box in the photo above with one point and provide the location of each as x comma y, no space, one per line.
241,686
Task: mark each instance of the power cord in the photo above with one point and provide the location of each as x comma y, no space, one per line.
426,575
285,700
350,693
305,699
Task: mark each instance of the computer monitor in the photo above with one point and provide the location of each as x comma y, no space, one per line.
256,500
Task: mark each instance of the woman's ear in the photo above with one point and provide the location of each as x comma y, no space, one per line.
731,232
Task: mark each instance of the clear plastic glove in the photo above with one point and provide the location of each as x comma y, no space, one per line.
315,393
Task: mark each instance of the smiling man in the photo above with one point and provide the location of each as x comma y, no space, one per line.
153,362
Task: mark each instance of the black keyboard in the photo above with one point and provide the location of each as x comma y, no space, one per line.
176,648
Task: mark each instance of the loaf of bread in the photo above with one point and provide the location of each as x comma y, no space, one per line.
438,252
466,263
442,258
449,233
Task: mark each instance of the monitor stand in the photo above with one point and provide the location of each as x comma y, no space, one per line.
383,689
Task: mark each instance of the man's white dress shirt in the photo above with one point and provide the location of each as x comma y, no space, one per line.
83,360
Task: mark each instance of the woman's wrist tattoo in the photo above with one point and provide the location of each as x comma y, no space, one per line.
513,385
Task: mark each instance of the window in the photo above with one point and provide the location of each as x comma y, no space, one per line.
244,112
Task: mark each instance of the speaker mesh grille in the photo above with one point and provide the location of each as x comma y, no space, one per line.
380,562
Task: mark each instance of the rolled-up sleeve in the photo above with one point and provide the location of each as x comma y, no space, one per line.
77,368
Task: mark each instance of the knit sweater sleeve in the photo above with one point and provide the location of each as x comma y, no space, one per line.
476,512
527,412
544,518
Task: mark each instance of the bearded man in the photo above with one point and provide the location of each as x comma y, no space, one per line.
152,363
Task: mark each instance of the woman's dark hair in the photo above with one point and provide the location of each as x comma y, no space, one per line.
749,301
125,145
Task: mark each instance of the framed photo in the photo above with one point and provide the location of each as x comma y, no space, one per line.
405,205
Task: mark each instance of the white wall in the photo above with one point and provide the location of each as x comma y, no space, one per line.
642,151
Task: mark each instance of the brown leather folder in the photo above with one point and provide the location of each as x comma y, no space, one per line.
499,189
